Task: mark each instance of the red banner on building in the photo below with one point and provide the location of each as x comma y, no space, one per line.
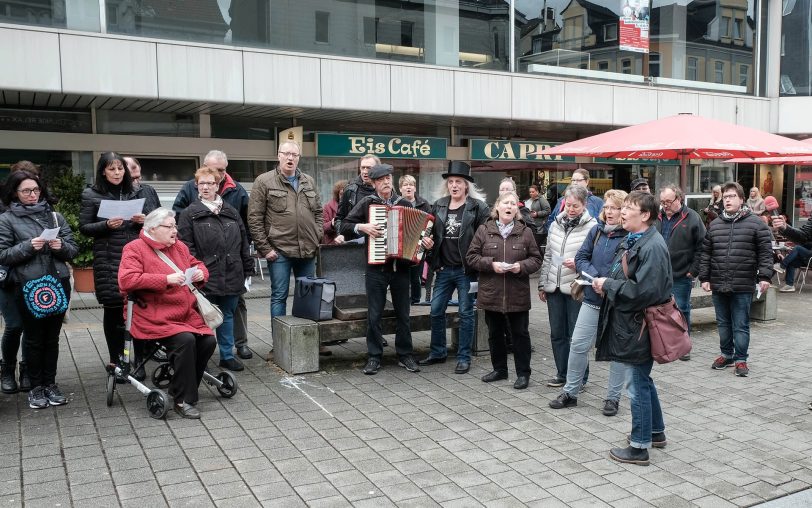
633,27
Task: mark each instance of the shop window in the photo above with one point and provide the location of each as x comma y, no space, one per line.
146,124
78,122
654,65
322,26
692,69
626,66
407,34
370,30
238,127
719,72
610,32
603,65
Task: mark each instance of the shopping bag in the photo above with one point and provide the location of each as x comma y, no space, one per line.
314,298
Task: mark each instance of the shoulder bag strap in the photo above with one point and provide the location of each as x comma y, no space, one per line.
626,273
173,266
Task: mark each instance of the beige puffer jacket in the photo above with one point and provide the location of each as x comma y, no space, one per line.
561,246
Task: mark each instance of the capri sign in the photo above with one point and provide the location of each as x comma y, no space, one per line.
385,147
495,150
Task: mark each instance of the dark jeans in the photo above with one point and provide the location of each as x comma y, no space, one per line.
41,342
415,274
10,343
377,281
113,322
798,257
682,295
497,326
562,311
189,354
733,321
241,324
647,415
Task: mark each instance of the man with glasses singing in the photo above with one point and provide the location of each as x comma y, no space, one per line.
593,203
285,221
737,260
683,232
355,191
235,195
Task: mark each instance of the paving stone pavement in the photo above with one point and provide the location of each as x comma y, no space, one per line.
339,438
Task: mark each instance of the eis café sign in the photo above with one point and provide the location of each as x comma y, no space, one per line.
385,147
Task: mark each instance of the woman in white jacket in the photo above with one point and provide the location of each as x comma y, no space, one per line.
567,233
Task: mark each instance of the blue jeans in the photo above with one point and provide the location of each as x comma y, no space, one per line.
798,257
733,321
682,295
280,279
562,311
446,280
225,332
583,339
647,415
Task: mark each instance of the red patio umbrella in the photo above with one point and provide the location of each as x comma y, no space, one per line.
684,137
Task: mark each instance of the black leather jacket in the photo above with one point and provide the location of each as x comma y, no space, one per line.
475,214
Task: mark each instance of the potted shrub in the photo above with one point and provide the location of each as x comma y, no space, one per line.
68,188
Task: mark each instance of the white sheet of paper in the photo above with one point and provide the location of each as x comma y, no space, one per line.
557,259
587,277
581,282
49,234
109,208
248,283
189,273
474,287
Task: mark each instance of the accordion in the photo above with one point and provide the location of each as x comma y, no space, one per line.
403,228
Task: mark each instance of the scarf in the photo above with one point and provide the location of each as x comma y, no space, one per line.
608,229
568,223
215,206
21,210
631,239
505,229
733,217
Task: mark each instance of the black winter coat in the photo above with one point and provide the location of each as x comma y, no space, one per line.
476,213
685,242
649,283
221,242
109,243
736,254
360,215
235,195
17,252
353,194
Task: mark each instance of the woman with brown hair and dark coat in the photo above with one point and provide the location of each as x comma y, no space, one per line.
505,253
110,235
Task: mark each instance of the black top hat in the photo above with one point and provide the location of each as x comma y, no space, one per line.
380,171
459,168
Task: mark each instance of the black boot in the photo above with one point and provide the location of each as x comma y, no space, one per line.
630,455
9,384
25,381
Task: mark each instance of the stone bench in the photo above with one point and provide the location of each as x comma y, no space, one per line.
762,309
296,341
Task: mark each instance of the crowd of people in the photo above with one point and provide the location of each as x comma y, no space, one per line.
600,261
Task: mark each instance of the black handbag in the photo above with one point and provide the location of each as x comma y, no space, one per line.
314,298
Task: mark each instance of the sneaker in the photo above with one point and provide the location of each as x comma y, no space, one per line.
722,363
556,382
787,288
408,363
741,369
372,367
563,400
37,398
610,407
54,395
778,268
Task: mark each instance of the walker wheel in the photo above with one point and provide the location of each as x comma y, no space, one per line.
157,404
162,375
111,388
229,385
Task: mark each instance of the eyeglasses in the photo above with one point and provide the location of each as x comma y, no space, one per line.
576,180
173,226
206,184
667,202
289,155
611,208
730,196
28,192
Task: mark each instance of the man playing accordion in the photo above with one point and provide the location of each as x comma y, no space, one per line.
392,273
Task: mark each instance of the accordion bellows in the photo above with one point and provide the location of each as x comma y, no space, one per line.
404,228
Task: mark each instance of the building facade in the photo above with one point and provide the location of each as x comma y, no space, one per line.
417,82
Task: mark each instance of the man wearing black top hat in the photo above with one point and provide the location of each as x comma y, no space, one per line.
457,216
393,274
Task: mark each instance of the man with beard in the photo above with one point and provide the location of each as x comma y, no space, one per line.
394,274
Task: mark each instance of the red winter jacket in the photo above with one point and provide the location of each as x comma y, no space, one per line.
169,310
